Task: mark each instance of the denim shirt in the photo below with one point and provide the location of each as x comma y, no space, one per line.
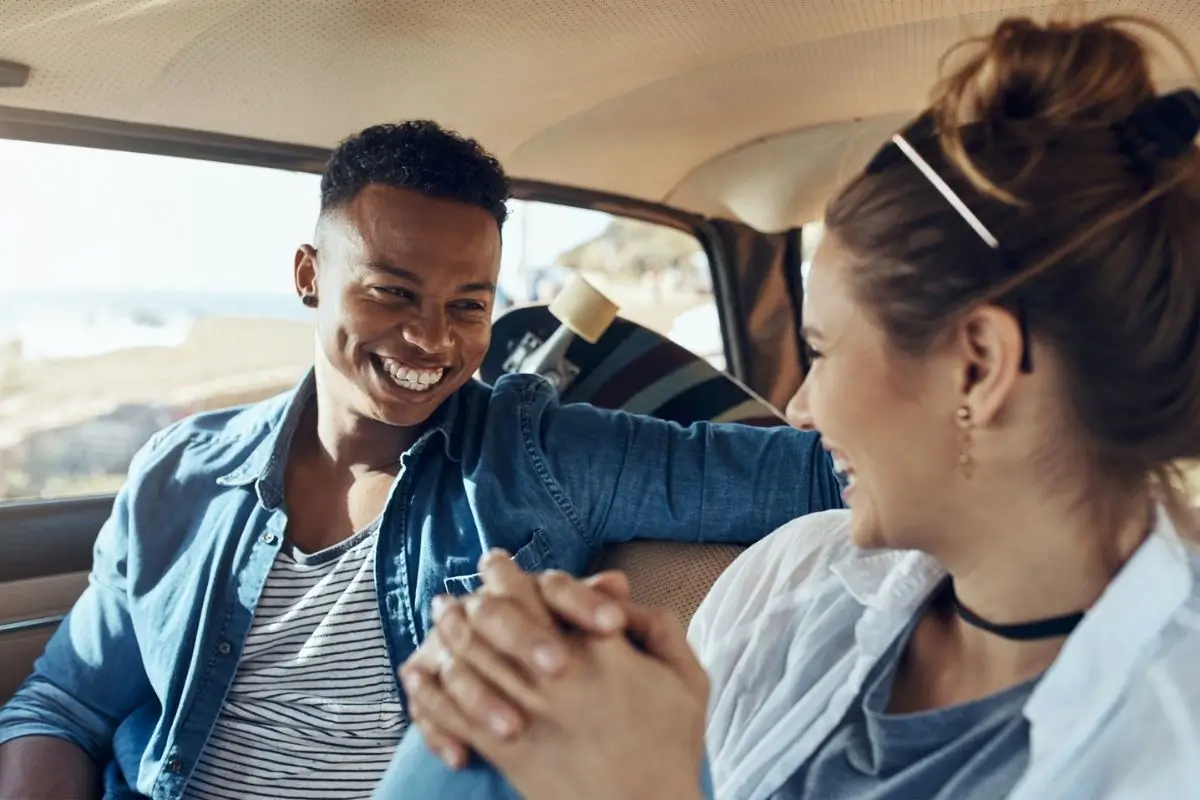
137,673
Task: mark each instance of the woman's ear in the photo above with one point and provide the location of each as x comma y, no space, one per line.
991,344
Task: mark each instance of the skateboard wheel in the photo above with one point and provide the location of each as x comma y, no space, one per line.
584,309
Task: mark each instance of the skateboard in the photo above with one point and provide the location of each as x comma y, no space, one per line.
579,344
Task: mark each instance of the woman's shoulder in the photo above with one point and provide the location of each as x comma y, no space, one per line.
1134,658
798,555
1166,682
798,549
1148,743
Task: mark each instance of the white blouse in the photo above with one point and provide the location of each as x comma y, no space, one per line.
791,630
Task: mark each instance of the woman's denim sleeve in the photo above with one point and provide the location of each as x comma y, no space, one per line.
416,774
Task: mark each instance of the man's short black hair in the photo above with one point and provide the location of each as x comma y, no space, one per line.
421,156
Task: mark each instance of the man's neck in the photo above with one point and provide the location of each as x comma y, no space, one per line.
351,444
359,445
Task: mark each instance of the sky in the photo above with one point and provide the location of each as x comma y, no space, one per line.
74,219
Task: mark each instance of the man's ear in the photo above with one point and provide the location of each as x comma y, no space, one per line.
991,345
304,273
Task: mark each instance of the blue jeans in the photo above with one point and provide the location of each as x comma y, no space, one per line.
416,773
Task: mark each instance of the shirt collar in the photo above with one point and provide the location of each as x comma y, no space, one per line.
1102,655
1097,659
264,466
878,579
888,580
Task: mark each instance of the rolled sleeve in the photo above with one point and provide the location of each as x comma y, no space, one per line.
91,675
42,709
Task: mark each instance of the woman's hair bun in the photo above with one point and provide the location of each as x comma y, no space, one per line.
1070,82
1061,75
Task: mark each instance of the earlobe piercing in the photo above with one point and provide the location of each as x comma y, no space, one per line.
966,464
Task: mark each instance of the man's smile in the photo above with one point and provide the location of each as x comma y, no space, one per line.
407,376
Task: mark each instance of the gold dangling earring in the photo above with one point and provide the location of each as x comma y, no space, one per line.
966,464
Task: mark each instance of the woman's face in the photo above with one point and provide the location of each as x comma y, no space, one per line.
888,420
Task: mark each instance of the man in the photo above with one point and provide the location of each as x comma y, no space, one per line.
266,569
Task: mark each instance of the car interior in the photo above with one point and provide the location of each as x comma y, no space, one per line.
159,161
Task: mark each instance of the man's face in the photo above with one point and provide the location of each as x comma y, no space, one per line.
404,285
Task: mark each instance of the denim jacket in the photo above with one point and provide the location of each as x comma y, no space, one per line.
137,673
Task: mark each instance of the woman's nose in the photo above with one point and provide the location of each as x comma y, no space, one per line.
797,410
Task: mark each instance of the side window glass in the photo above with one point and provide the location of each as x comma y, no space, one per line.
137,289
659,276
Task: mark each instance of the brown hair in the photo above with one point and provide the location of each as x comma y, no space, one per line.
1104,259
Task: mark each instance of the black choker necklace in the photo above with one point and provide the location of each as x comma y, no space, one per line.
1022,631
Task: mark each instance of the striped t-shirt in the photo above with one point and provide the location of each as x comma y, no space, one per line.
314,710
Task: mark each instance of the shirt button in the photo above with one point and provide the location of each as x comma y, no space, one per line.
175,766
268,538
223,648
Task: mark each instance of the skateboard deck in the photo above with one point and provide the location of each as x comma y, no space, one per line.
630,368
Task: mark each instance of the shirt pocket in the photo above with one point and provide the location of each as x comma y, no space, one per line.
529,558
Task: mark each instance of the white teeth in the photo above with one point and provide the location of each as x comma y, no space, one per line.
417,380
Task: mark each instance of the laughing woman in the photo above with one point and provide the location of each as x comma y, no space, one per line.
1004,319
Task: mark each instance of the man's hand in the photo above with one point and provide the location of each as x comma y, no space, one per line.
521,643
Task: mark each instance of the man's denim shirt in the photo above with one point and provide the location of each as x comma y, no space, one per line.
138,671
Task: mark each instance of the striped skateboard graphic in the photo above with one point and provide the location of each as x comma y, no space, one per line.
630,368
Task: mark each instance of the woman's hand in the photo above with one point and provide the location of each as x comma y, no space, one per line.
615,723
609,721
527,613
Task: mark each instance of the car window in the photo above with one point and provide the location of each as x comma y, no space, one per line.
657,275
138,289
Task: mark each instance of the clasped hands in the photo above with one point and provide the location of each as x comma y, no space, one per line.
541,676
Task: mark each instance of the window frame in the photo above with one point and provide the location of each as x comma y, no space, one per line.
41,537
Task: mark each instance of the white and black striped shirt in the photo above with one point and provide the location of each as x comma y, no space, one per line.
313,711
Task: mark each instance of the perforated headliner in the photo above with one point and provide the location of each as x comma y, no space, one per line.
748,109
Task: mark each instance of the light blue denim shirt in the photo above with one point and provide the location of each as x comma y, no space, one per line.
138,671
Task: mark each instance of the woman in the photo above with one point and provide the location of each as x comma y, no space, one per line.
1011,609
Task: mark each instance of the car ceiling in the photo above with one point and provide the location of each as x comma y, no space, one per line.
745,109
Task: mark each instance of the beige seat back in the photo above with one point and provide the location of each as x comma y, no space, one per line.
670,575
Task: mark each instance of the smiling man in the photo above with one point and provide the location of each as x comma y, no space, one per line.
266,569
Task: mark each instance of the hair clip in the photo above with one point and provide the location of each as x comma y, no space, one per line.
919,130
902,146
1161,128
